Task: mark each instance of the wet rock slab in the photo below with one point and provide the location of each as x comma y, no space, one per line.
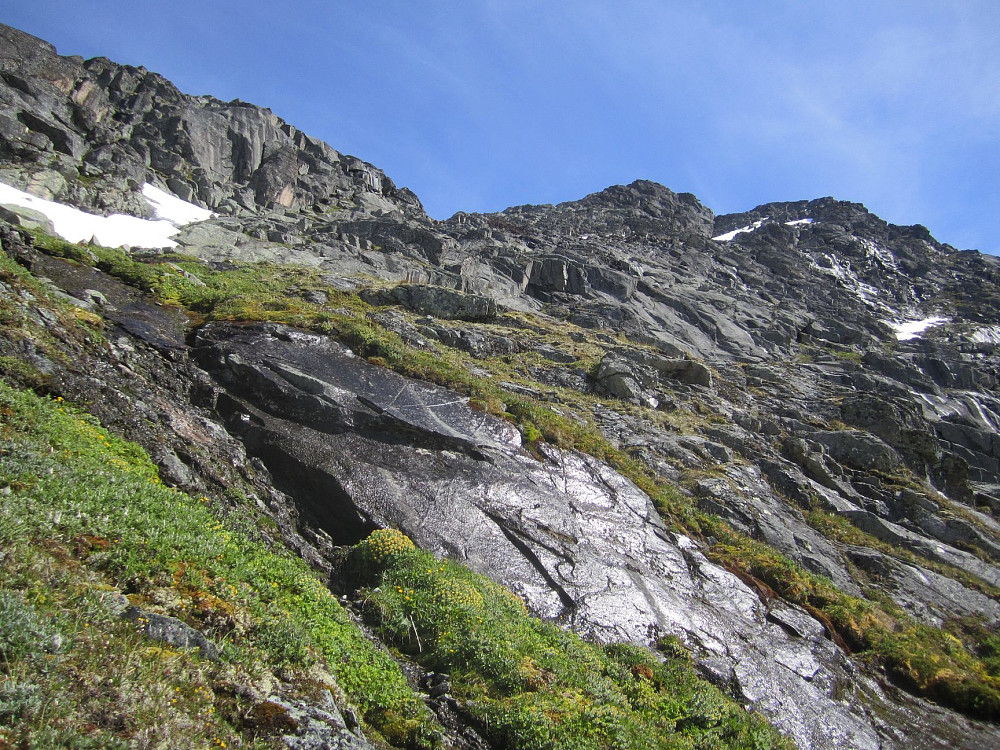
363,447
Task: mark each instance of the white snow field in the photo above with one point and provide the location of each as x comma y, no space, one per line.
173,209
911,329
116,230
728,236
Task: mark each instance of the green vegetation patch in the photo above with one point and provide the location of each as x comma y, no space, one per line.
21,316
841,529
929,661
249,292
81,502
530,684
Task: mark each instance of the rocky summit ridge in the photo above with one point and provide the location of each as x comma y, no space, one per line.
649,422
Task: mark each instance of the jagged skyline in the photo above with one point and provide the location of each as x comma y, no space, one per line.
496,104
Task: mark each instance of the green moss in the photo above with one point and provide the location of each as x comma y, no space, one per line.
986,642
936,664
19,316
848,355
252,292
24,373
60,248
842,530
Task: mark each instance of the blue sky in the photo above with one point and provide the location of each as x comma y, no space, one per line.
477,105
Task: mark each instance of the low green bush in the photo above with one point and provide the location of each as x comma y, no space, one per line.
22,632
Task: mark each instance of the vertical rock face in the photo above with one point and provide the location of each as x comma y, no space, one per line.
758,361
119,125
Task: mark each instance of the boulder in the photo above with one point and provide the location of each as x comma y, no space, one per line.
858,450
172,631
27,218
360,447
636,375
438,302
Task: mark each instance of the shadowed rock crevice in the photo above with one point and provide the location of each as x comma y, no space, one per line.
522,546
321,501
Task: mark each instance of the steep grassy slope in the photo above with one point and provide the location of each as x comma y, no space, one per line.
86,520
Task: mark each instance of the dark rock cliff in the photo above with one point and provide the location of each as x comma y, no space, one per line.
749,360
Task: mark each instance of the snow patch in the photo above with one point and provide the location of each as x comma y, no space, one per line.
171,208
880,254
833,267
911,329
728,236
798,222
727,275
116,230
842,271
986,335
